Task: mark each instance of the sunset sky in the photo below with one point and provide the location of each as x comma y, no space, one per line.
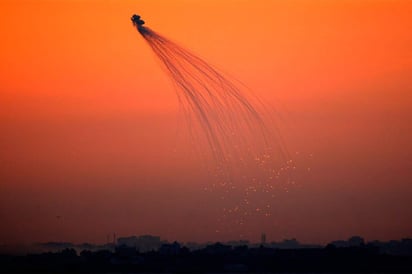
92,140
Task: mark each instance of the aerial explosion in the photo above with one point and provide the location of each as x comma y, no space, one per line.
231,122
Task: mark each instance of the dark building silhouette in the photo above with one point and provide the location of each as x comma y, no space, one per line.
142,243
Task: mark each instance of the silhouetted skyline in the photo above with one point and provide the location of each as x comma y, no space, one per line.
148,253
147,243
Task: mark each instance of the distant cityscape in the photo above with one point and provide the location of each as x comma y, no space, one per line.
147,253
148,243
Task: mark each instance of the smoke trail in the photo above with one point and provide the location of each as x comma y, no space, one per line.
251,163
230,121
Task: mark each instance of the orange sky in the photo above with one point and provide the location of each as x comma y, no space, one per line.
90,128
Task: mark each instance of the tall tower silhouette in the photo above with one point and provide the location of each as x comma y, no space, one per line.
263,239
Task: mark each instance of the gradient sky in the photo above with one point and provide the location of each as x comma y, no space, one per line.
91,129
